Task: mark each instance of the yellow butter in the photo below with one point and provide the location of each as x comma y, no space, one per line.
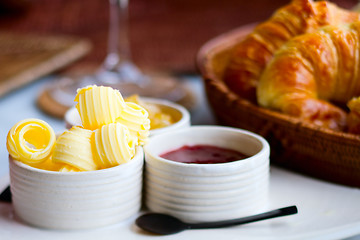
67,168
113,145
48,164
30,141
98,105
158,118
73,147
136,118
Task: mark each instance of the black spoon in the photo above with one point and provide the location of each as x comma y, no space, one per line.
5,196
164,224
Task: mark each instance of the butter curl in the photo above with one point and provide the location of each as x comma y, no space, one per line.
30,141
73,147
113,145
98,105
136,118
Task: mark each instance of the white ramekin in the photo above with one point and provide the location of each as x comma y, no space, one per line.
207,192
180,114
76,200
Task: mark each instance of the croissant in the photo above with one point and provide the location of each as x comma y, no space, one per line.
250,56
353,118
311,70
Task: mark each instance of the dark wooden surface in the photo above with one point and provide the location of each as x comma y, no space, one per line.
25,58
164,34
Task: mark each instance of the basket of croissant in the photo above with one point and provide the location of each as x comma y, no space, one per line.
294,79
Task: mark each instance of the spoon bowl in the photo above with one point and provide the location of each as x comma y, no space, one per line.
164,224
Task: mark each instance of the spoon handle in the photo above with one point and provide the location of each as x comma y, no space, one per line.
262,216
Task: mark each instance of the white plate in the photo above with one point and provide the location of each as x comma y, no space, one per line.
326,211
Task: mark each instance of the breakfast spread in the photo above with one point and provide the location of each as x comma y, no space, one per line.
301,62
111,131
203,154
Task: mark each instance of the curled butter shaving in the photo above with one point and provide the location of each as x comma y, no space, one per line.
113,145
30,141
48,164
73,147
119,128
98,105
136,118
158,117
67,168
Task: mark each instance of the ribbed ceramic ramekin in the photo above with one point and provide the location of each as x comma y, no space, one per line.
76,200
207,192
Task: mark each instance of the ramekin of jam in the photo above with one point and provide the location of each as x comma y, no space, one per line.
207,173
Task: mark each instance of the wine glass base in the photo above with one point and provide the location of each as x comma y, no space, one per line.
59,96
158,86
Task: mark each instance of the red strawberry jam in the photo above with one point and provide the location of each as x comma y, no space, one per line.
203,154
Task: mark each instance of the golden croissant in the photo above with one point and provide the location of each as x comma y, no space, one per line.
312,70
251,55
353,118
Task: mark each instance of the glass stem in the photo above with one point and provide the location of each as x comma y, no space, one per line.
118,41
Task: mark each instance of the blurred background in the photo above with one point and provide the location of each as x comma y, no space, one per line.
164,34
55,38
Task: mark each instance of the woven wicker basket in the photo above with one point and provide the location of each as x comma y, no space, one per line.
303,147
